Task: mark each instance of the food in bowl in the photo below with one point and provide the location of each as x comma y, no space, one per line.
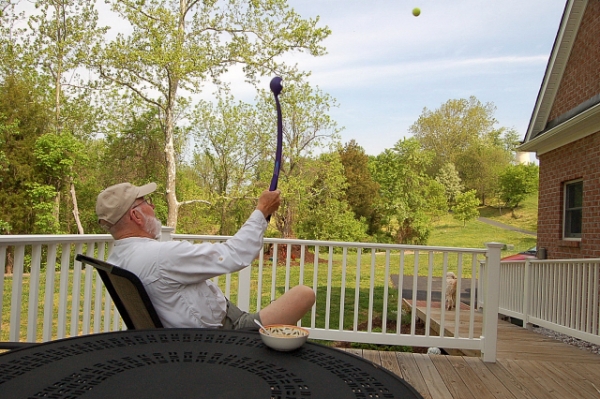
283,337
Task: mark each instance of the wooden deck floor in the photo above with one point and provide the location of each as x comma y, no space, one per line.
528,365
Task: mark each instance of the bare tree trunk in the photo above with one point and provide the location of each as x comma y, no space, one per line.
171,170
8,268
56,210
75,208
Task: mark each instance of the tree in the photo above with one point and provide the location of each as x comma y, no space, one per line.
448,177
401,175
307,129
362,192
23,119
462,132
516,183
465,208
55,156
233,142
323,212
450,130
63,35
481,166
178,46
437,202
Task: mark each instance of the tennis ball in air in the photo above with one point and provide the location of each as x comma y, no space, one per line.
416,11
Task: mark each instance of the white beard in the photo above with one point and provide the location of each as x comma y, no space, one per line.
152,226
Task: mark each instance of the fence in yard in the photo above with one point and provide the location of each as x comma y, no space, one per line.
53,297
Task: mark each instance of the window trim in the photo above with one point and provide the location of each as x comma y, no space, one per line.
566,185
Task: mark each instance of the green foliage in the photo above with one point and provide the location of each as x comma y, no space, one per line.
23,121
462,132
482,164
465,208
517,182
42,201
233,142
5,129
56,154
324,214
448,177
362,192
135,153
401,175
437,201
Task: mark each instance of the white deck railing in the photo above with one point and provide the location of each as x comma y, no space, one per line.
561,295
353,283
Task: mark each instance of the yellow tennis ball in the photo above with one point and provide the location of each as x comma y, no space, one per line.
416,11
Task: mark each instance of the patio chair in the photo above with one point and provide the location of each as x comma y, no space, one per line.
128,294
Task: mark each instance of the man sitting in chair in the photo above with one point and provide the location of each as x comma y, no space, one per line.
176,274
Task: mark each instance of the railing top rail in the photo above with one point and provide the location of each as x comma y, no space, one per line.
294,241
580,260
27,239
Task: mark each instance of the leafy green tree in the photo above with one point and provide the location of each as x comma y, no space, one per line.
197,217
362,192
481,166
450,130
55,156
233,142
403,180
177,46
516,183
448,177
462,132
307,130
465,208
22,123
437,202
63,35
323,213
134,153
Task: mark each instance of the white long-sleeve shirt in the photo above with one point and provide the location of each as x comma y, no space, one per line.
176,273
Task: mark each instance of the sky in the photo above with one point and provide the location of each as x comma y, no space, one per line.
384,66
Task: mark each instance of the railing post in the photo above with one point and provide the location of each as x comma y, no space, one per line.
166,233
244,282
526,295
480,298
491,300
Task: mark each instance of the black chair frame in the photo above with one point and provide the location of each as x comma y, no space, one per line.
128,294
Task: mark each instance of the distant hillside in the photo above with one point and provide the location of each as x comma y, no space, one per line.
526,214
449,232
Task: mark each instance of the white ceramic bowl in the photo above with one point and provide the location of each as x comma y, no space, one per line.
284,337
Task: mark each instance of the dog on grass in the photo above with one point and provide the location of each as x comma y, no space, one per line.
451,281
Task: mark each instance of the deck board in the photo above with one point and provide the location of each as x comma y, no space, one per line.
455,384
435,384
529,366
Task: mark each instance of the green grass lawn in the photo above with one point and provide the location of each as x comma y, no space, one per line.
525,216
449,232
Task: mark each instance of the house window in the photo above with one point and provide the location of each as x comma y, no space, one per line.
573,210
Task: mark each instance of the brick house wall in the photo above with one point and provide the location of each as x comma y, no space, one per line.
578,160
581,79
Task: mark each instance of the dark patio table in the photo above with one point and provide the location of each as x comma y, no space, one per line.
190,363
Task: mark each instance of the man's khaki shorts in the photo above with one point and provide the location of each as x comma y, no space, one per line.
237,319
